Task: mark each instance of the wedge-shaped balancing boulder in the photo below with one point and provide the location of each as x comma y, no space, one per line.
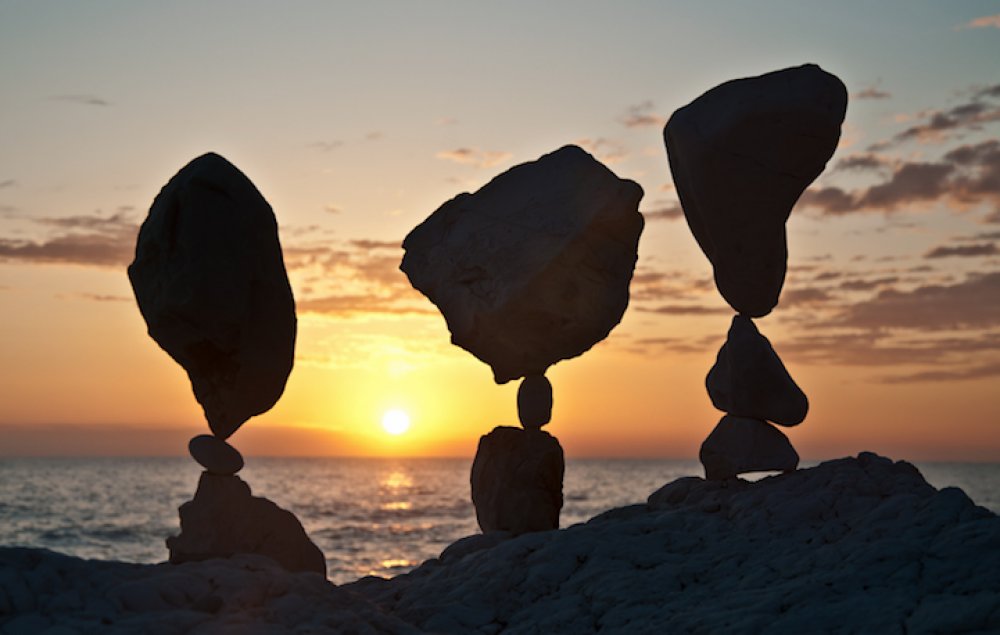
534,267
749,380
211,284
741,155
517,480
739,445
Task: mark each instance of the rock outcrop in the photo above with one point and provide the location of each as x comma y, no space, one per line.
749,380
211,284
516,480
741,155
534,267
224,519
739,445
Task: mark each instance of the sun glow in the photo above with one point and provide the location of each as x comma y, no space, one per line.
395,421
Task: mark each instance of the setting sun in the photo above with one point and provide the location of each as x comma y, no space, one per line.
395,421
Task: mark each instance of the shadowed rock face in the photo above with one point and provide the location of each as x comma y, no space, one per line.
224,520
739,445
534,267
741,155
211,284
517,480
749,380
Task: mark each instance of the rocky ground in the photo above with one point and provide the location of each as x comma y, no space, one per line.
854,545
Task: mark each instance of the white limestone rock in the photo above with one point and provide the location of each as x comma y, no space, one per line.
534,267
749,380
211,284
738,445
215,455
741,155
516,480
223,519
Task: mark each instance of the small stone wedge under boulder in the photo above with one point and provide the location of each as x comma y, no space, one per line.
517,479
739,445
224,519
211,284
741,155
534,267
749,380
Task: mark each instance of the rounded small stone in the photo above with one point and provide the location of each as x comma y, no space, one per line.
534,402
215,455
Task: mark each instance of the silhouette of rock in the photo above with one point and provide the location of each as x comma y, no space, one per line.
210,282
741,155
749,380
223,519
738,445
517,480
215,455
534,402
534,267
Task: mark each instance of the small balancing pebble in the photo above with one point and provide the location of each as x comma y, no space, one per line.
534,402
215,455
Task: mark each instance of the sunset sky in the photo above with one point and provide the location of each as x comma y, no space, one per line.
357,120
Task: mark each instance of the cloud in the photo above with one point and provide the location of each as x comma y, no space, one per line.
871,92
939,124
964,251
7,183
87,100
325,146
609,151
669,210
374,136
332,209
807,296
980,371
861,284
367,244
971,303
865,161
83,240
642,115
474,156
684,309
984,22
966,176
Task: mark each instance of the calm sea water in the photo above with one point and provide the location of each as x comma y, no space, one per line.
369,516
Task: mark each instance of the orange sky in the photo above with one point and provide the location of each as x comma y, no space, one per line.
889,319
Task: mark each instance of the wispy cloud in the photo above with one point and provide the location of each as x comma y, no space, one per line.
84,99
642,115
664,210
325,146
965,251
938,125
82,240
984,22
871,92
609,151
474,156
7,183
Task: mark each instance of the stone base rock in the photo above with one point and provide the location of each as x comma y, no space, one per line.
739,445
517,480
224,520
749,380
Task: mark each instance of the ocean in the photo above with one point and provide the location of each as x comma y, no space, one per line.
369,516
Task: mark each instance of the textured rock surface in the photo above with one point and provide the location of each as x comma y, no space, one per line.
534,267
223,519
859,545
749,380
215,455
517,480
741,155
210,281
534,402
738,445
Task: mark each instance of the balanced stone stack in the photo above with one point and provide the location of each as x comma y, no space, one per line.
531,269
211,284
741,155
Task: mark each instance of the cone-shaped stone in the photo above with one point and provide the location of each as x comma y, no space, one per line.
534,402
210,282
534,267
741,155
749,380
738,445
517,480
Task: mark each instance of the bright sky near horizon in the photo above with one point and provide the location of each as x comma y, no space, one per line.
357,120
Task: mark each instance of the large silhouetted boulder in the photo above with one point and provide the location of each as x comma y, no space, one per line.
739,445
741,155
749,380
211,284
517,480
224,519
534,267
